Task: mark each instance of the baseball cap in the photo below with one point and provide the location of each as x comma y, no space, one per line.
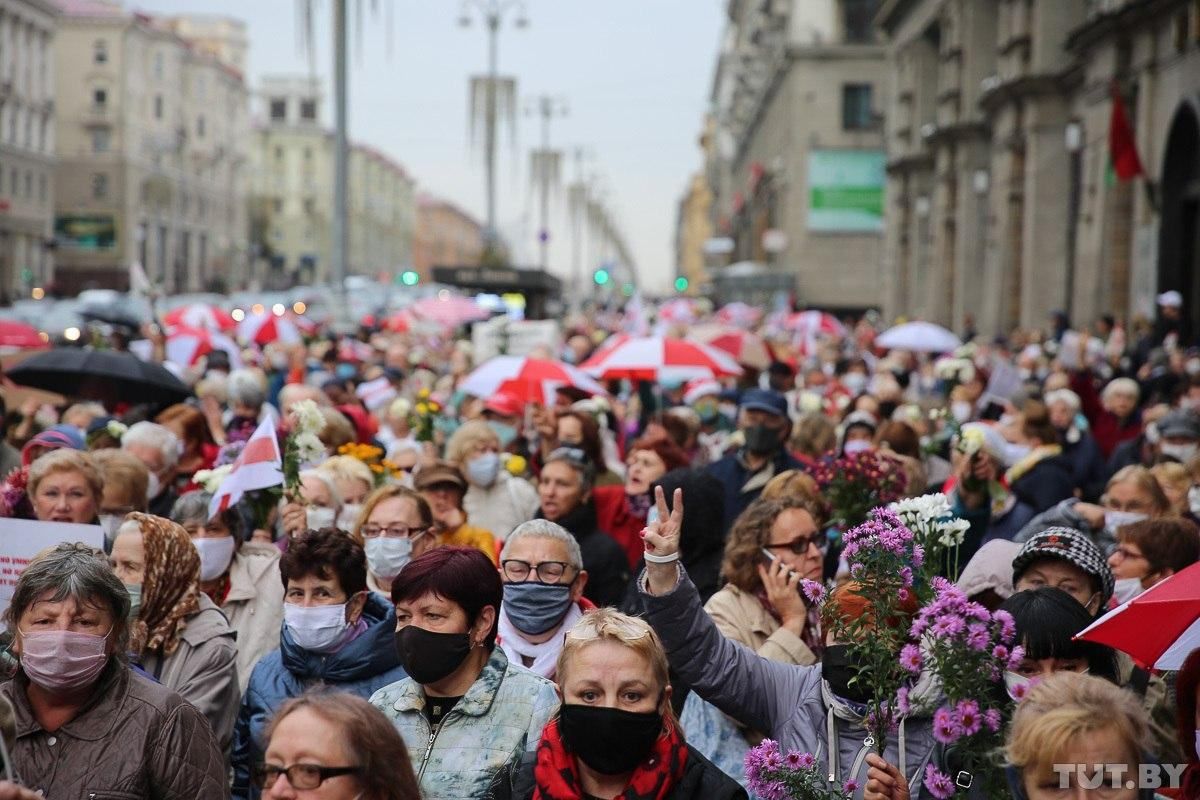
765,400
1179,423
1170,299
1071,546
440,472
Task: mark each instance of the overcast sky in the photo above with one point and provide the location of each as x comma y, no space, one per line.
634,74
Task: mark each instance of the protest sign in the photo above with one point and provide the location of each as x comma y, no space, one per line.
22,539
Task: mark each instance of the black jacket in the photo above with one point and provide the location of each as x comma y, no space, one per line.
1046,485
603,558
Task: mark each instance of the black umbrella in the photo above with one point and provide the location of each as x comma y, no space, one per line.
105,375
121,314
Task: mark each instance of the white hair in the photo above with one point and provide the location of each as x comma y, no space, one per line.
1065,396
244,387
151,434
1125,386
327,481
545,529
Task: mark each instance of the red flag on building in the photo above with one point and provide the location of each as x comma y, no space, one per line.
1122,144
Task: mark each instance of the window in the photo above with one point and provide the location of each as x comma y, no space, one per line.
100,140
856,18
310,205
99,97
158,106
278,108
14,182
42,187
857,114
308,154
100,52
200,126
29,185
158,65
308,110
277,204
99,186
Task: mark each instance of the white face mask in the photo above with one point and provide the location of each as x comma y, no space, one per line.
1016,685
1194,500
317,517
1180,452
1126,589
387,555
215,555
348,516
316,628
961,411
153,486
1119,519
857,446
855,382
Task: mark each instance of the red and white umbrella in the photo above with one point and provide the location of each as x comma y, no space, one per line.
746,348
200,315
657,358
531,380
18,335
680,310
815,323
450,310
1159,627
186,345
264,328
739,314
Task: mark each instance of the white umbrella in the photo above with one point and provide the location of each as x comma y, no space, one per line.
922,337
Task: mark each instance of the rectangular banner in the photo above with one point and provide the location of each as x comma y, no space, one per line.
22,539
845,191
86,231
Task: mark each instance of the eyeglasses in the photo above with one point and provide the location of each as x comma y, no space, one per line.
572,454
300,776
391,531
1125,552
799,545
628,629
518,571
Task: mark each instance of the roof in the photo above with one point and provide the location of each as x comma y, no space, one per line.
90,8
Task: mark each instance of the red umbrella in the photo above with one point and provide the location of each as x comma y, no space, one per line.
746,348
1159,627
739,314
679,310
266,327
200,315
450,310
813,323
21,336
187,345
656,358
531,380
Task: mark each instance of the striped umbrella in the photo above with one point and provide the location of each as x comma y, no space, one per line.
187,345
264,328
530,380
658,358
739,314
200,315
746,348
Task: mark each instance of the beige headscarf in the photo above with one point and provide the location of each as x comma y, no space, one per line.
170,585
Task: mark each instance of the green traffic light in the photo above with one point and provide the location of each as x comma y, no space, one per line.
681,284
410,278
601,277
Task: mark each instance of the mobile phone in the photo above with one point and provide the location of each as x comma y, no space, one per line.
771,557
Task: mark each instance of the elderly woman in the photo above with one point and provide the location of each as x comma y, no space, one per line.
443,487
335,633
199,447
565,489
85,722
338,746
246,393
320,505
1131,495
465,713
159,449
621,510
1112,414
1151,551
615,734
353,481
579,429
495,500
179,636
396,526
1079,446
125,480
65,486
239,575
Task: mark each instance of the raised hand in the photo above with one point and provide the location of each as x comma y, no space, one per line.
661,539
782,586
884,781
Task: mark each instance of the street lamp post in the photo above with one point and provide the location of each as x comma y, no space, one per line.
340,162
547,168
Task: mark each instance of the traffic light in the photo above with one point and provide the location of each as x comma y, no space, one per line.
681,284
600,277
410,278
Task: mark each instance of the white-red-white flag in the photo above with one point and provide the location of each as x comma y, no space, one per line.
259,466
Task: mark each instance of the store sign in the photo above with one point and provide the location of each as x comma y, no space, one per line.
86,231
845,191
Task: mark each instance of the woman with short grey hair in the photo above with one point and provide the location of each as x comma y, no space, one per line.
87,723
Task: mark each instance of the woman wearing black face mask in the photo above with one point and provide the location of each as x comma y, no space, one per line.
466,714
615,735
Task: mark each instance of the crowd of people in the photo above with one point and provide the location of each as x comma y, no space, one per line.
592,596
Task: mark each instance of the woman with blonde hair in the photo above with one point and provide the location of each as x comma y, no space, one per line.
615,734
354,481
1175,481
65,486
495,500
394,527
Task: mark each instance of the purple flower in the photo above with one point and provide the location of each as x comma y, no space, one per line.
902,705
991,718
978,612
918,556
773,761
978,638
1008,628
850,786
813,590
945,727
966,713
906,576
807,761
1016,657
918,627
1000,653
940,584
938,783
910,658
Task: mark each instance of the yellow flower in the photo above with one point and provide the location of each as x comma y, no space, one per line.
423,394
377,469
516,465
346,448
434,406
422,408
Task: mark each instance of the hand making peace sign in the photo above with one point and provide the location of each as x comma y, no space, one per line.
662,543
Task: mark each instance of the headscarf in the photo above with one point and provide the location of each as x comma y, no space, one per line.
55,438
170,585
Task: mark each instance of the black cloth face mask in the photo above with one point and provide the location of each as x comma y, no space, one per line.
609,740
428,656
837,670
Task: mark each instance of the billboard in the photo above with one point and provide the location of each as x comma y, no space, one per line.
845,191
86,231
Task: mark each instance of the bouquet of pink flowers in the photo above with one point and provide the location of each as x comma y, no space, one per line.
794,776
854,484
967,648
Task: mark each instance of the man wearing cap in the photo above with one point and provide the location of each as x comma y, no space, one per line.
1178,436
765,427
1068,560
1172,325
443,486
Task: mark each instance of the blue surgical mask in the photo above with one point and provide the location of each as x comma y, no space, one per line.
506,432
135,599
483,469
534,608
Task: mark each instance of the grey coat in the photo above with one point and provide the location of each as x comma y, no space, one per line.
1064,515
784,700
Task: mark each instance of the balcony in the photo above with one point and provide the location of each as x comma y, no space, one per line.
98,115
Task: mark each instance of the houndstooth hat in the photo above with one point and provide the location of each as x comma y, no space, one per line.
1072,546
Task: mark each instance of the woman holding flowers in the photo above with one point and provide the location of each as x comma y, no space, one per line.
818,713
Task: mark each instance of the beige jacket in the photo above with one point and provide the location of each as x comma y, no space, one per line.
203,669
740,617
254,605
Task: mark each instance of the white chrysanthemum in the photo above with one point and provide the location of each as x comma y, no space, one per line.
211,479
308,447
308,417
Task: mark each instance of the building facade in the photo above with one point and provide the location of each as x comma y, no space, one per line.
1002,206
151,137
694,228
292,202
796,166
27,29
446,236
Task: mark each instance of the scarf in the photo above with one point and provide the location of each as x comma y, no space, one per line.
1035,456
813,637
170,585
556,775
639,504
544,655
